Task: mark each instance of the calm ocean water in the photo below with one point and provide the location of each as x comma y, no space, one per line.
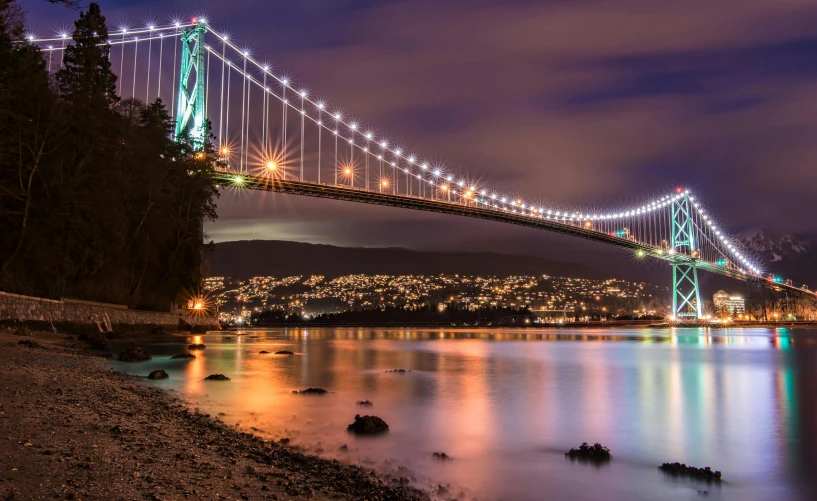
507,404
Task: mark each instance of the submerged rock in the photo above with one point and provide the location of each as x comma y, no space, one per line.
227,338
442,456
158,374
312,391
400,370
284,352
596,452
368,425
196,346
216,377
705,473
135,354
184,355
366,403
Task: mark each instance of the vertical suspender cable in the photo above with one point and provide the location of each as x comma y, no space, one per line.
150,53
303,116
206,85
264,117
283,124
135,54
122,63
227,116
161,50
247,135
243,111
175,56
221,138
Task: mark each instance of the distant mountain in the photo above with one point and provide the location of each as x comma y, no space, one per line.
791,256
247,258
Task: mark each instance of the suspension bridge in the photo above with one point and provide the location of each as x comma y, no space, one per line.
273,136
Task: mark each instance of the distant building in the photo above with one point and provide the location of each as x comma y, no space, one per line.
730,305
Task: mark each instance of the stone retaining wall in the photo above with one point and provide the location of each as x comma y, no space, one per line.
16,308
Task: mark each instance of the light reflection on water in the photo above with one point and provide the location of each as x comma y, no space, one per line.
506,404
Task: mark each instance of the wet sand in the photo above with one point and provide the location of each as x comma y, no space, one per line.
71,428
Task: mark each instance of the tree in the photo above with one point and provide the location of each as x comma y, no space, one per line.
86,78
96,200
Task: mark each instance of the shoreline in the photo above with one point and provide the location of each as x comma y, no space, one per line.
75,429
647,324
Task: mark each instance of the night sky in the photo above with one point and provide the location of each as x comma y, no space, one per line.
581,102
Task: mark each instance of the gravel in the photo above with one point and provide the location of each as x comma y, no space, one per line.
71,428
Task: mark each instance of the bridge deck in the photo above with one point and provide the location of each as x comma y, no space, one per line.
361,195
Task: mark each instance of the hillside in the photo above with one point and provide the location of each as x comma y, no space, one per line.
248,258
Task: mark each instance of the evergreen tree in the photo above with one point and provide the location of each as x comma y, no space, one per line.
86,78
96,200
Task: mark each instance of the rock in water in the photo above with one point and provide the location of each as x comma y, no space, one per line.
365,403
136,354
595,453
216,377
158,374
198,329
704,473
29,343
442,456
263,352
195,346
284,352
184,355
400,370
312,391
368,425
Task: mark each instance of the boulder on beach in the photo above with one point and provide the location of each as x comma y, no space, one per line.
366,403
135,354
198,329
680,469
158,374
196,346
368,425
284,352
312,391
596,452
96,341
29,343
184,355
22,331
216,377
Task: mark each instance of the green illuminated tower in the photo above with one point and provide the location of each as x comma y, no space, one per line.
686,299
190,112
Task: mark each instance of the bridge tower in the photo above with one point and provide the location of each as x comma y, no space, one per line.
686,298
190,109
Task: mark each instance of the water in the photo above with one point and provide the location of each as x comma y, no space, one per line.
507,404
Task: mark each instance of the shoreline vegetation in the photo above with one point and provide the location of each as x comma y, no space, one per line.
77,429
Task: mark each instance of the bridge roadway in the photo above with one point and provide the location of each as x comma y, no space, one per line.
362,195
